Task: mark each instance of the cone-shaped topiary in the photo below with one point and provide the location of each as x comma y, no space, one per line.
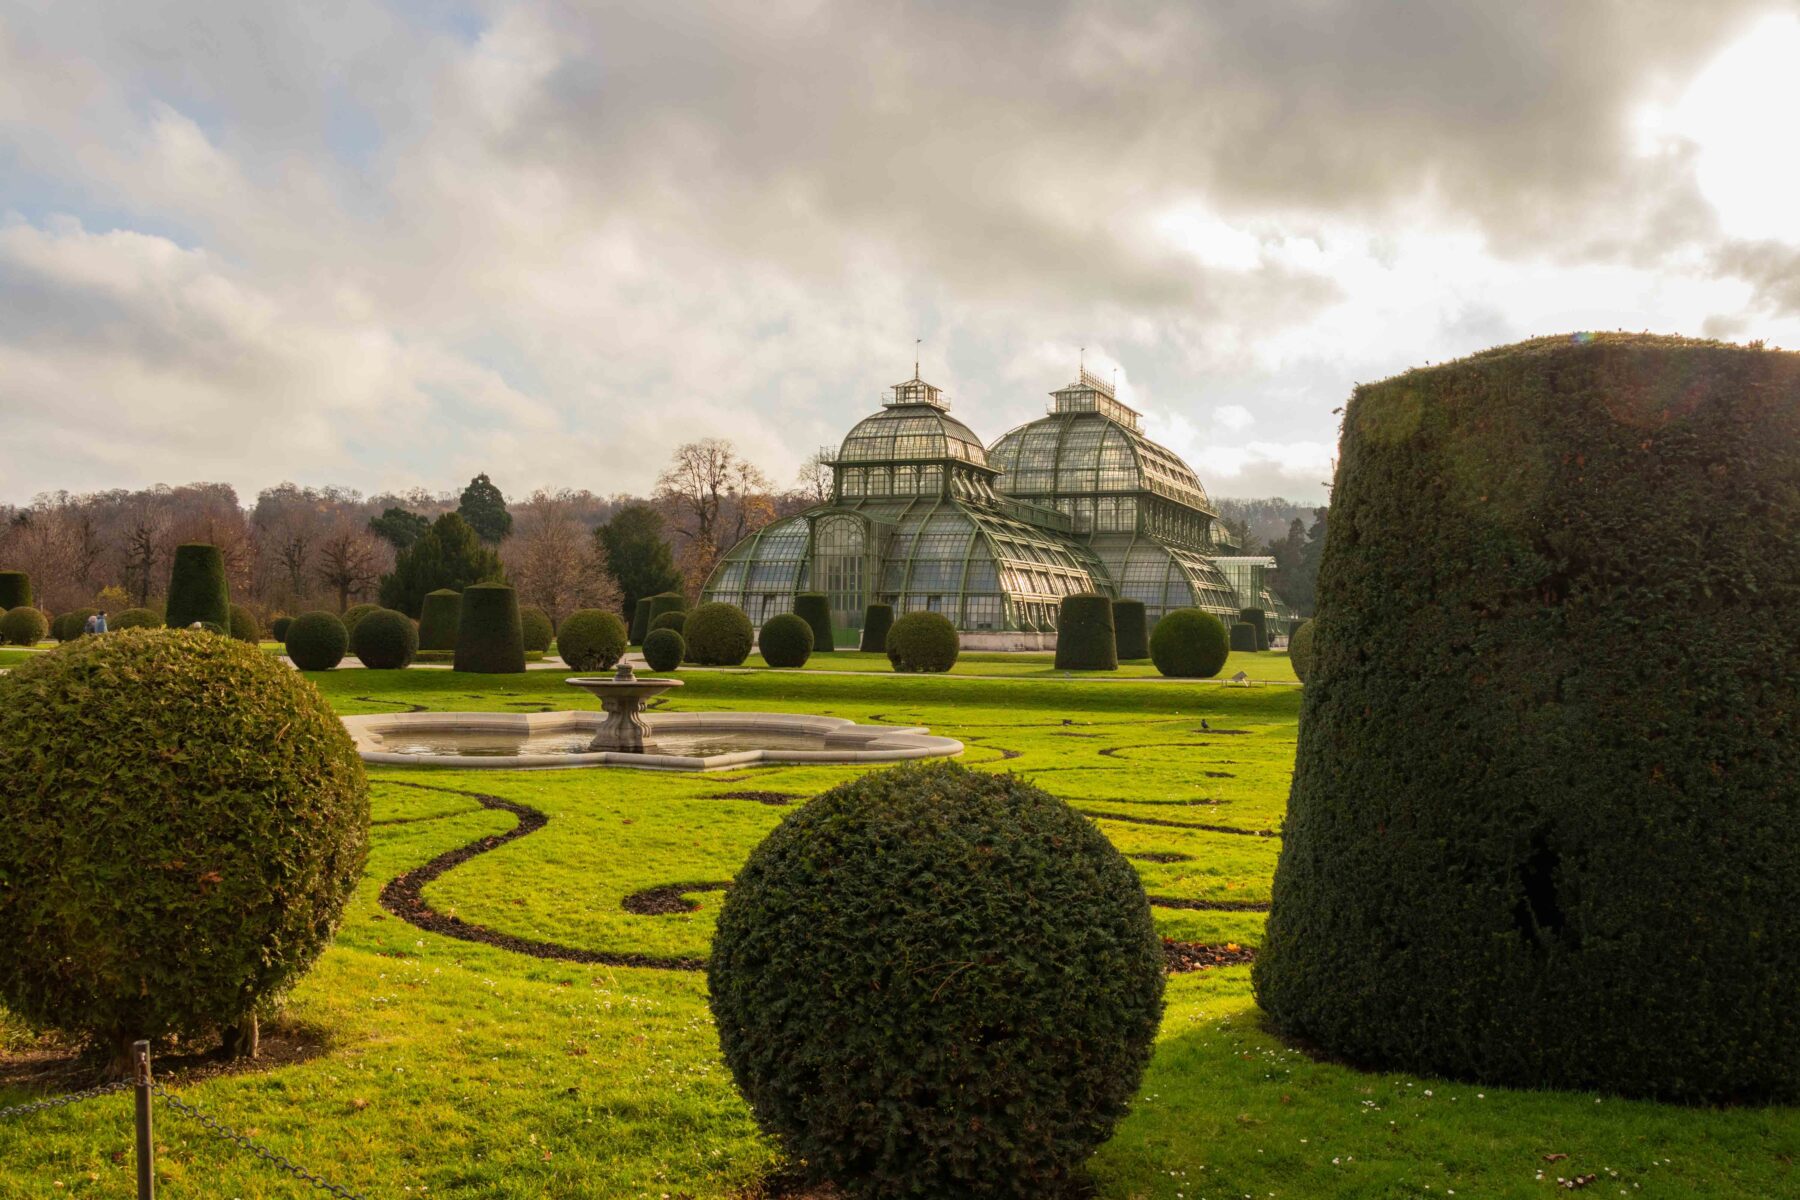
1258,621
317,641
23,626
197,589
718,635
900,1046
1544,828
1131,630
669,620
136,618
1189,644
244,626
439,614
235,833
664,649
488,638
278,627
536,630
385,640
72,625
877,620
355,613
786,640
1243,637
923,642
815,609
15,590
640,620
1300,651
591,639
1084,634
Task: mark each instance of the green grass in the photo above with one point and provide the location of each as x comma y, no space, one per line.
455,1069
1267,665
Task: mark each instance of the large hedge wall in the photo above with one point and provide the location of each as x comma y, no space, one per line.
197,590
664,649
815,609
786,640
1189,644
1258,620
536,630
385,640
1243,637
440,613
718,635
1131,630
924,643
1300,651
23,626
489,640
15,590
1085,640
640,620
591,639
901,1048
877,620
1544,827
317,641
235,834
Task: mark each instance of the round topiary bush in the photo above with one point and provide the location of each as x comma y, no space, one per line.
665,602
279,627
355,613
385,640
235,833
317,641
877,620
640,620
1243,637
72,625
786,640
923,642
23,626
15,590
535,629
669,620
1085,640
1544,828
591,639
664,649
815,609
1300,650
439,615
718,635
1189,644
197,589
1131,630
1258,621
244,626
488,638
977,1037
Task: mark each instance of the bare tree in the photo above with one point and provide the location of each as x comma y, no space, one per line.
350,559
815,479
713,493
552,558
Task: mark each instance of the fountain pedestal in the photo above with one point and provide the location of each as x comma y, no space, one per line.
622,696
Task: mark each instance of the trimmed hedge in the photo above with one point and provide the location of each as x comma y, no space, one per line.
669,620
1258,620
923,642
439,615
665,602
317,641
786,640
640,620
235,834
1300,651
1085,640
901,1048
488,638
1544,828
718,635
279,627
134,618
1189,644
1243,637
23,626
72,625
355,613
815,609
877,620
197,589
1131,630
664,649
244,626
385,640
591,639
15,590
535,629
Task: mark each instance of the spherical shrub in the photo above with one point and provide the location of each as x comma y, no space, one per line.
317,641
535,629
669,620
197,589
439,615
877,620
136,618
1131,630
488,638
1300,650
1258,621
1189,644
15,590
815,609
786,640
1084,634
664,649
279,627
385,640
235,833
640,620
718,635
976,1037
923,642
665,602
23,626
355,613
1544,827
72,625
591,639
1243,637
244,625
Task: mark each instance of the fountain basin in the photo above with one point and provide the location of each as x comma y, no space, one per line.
678,741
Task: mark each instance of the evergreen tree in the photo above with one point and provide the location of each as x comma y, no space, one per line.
639,554
449,555
399,528
484,508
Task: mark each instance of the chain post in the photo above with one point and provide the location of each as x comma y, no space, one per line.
140,1067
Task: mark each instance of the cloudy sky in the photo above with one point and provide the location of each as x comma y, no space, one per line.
386,245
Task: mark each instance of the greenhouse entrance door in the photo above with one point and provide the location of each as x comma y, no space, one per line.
840,568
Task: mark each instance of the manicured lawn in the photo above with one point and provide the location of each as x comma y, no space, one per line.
459,1069
1270,665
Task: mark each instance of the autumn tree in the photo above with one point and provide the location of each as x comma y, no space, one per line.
553,561
716,497
350,560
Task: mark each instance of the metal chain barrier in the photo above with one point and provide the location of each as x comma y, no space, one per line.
105,1089
243,1141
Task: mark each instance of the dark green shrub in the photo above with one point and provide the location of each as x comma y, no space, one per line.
1258,621
535,628
244,626
385,640
1243,637
488,638
15,590
664,649
786,640
439,614
1189,644
1131,629
718,635
1544,827
355,613
72,625
669,620
235,833
815,609
979,1036
23,626
877,620
197,589
591,640
1084,634
317,641
923,642
640,620
1300,650
449,555
278,627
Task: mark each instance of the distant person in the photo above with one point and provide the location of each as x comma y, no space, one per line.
100,621
92,624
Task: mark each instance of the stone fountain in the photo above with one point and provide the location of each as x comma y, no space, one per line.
622,695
